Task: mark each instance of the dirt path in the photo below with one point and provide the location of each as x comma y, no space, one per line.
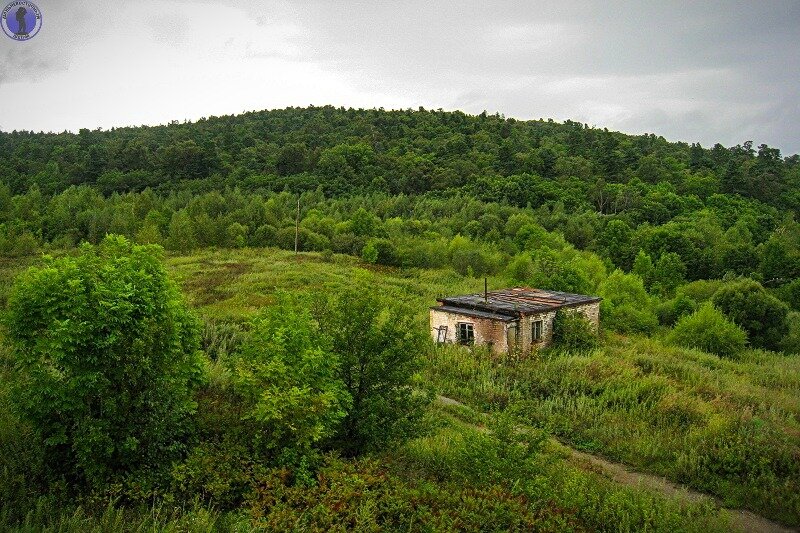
620,473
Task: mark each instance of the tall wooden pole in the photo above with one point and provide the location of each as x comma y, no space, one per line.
297,227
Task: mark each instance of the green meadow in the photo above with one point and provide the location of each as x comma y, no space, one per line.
464,471
727,427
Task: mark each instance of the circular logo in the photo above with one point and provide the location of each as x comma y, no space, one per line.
21,20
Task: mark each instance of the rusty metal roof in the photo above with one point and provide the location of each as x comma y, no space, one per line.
474,313
515,301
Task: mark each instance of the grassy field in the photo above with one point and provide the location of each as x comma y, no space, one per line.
234,284
726,427
731,428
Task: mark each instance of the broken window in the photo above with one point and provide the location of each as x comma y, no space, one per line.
466,333
441,335
536,330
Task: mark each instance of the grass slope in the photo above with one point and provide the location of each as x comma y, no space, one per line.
727,427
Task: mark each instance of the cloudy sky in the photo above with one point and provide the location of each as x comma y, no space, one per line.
694,71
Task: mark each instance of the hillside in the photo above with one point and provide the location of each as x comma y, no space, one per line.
695,375
347,151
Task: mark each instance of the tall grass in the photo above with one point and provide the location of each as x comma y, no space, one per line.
727,427
113,519
548,485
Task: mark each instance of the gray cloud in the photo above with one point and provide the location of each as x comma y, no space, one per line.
694,71
704,72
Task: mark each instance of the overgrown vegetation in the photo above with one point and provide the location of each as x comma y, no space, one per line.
293,391
573,333
724,426
707,329
106,357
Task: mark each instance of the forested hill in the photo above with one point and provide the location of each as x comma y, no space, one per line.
416,188
694,252
350,151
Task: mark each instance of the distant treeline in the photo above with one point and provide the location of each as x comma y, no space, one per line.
354,151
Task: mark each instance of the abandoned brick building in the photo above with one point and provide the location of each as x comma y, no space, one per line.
510,320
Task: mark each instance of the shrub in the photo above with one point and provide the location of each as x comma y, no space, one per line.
219,473
628,318
643,267
289,381
306,240
379,346
469,258
236,235
558,272
264,236
791,341
520,269
759,313
24,245
670,311
701,290
707,329
108,357
182,235
370,252
668,273
380,251
626,306
790,293
429,252
573,332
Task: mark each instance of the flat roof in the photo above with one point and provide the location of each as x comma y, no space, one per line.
474,313
514,302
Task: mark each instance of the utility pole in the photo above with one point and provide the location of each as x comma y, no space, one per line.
297,226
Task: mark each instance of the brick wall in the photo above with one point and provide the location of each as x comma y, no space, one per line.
496,332
486,330
527,331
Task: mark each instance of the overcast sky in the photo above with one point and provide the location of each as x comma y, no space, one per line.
694,71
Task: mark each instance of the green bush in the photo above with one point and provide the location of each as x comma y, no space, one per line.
221,474
558,271
306,240
668,273
520,269
108,358
573,332
288,378
701,290
428,252
380,251
364,496
379,345
628,318
671,311
469,258
265,235
791,341
707,329
759,313
626,306
790,293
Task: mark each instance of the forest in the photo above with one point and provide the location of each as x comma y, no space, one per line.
167,361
